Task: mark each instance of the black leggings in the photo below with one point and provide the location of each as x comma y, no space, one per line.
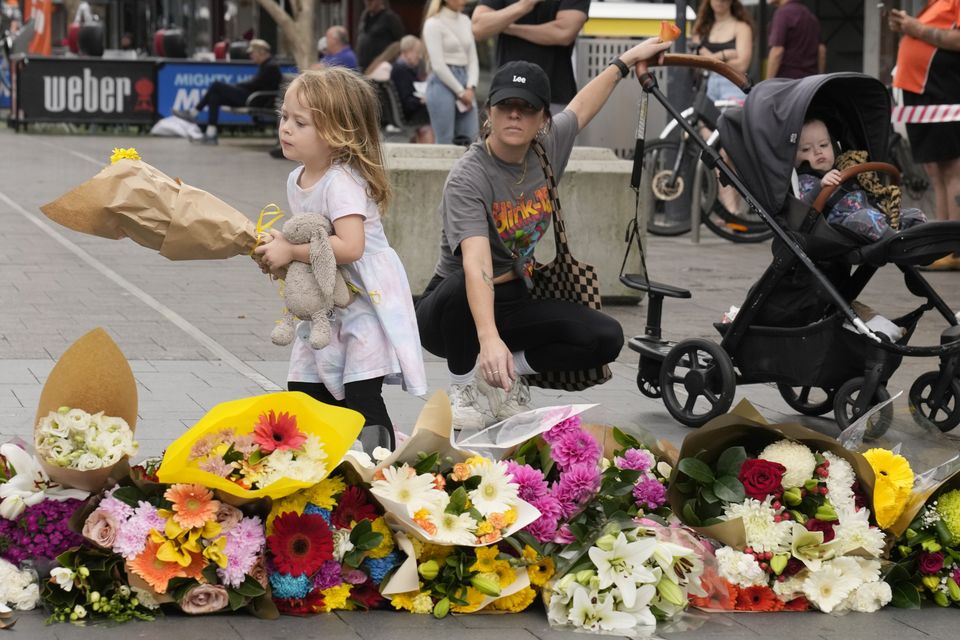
364,396
555,335
221,94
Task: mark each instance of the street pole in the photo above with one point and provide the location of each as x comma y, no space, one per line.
679,87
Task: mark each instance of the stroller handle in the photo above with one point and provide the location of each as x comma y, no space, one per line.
850,172
709,64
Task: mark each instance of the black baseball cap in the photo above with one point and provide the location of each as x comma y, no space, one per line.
521,79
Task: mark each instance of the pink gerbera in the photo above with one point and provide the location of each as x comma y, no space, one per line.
277,431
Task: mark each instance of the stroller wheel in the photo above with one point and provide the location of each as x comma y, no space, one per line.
847,408
807,400
648,388
697,382
942,412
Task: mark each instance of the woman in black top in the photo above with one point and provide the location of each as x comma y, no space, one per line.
724,31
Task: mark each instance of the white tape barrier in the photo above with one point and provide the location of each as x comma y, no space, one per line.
925,114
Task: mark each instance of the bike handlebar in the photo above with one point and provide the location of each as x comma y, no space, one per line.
708,64
850,172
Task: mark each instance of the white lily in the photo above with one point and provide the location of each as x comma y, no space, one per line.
30,485
641,609
623,565
596,612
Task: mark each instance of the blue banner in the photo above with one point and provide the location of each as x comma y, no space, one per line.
180,85
4,84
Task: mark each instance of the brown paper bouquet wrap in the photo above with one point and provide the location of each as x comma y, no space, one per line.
745,427
92,375
132,199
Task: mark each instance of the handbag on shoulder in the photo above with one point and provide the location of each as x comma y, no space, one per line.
568,279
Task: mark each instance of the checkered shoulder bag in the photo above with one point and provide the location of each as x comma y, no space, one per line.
565,278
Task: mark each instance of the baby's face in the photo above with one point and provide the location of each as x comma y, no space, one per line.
815,146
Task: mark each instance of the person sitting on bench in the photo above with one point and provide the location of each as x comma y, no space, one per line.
221,94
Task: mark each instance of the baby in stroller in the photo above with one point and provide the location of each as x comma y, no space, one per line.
855,205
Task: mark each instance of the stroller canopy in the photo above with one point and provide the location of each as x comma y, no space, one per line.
761,137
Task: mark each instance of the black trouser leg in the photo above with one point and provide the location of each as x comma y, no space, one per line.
221,94
365,397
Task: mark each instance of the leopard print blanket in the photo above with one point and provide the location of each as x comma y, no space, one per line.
886,197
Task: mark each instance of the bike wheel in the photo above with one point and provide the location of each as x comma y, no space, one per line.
672,194
743,225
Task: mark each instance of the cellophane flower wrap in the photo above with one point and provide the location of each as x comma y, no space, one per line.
329,548
180,543
270,445
790,510
926,553
627,581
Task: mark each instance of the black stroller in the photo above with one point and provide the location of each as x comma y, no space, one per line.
797,327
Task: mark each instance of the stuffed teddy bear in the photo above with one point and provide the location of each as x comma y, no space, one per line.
312,290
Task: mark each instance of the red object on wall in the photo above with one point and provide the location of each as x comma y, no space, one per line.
73,38
220,50
158,44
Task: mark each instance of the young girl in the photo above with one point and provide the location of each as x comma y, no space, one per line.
329,124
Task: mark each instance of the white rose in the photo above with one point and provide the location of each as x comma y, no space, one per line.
110,424
28,598
111,457
88,462
57,449
63,577
76,419
54,425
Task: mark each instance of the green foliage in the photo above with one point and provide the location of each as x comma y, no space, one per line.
707,489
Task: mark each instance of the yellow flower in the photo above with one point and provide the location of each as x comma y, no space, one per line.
484,528
541,571
124,154
474,599
294,503
336,597
386,544
323,493
422,603
948,506
530,554
505,573
403,600
215,552
516,602
434,552
486,559
894,482
510,516
475,461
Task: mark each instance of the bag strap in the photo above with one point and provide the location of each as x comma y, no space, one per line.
559,228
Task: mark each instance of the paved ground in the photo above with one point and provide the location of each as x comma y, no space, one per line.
196,334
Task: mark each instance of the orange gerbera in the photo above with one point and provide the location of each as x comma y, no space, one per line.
193,505
195,569
797,604
721,594
157,573
758,599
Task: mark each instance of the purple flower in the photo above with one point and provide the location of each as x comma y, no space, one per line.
119,510
548,506
328,576
575,447
355,576
132,536
558,430
930,563
580,482
244,543
564,536
635,460
532,484
543,528
41,531
650,493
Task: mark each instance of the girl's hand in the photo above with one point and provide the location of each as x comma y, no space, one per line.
275,253
640,56
496,363
831,179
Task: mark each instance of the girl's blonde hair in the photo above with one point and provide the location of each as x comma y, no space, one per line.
433,8
346,114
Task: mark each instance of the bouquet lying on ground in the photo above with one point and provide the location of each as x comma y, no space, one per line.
18,589
270,445
74,439
793,520
183,544
628,579
330,548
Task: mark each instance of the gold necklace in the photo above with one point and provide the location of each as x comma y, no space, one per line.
523,175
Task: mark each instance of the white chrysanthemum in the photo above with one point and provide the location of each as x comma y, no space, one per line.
341,544
840,481
453,528
792,587
739,568
796,458
497,492
869,597
855,534
404,486
762,533
863,569
828,588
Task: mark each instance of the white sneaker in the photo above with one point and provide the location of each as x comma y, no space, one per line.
463,404
505,404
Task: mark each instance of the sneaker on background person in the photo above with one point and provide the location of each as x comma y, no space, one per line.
505,404
464,407
190,115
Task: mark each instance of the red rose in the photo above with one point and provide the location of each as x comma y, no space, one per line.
930,563
819,525
761,478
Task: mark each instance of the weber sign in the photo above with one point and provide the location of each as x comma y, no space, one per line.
85,90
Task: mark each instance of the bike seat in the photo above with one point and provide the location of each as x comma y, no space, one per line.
638,282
